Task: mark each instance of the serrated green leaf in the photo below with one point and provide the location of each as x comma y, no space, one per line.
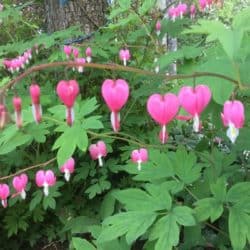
133,224
238,192
185,166
82,244
38,195
146,6
238,228
184,215
208,207
166,231
136,199
107,206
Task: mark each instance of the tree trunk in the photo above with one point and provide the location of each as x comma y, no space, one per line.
88,14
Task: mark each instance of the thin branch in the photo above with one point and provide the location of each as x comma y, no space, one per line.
43,164
111,67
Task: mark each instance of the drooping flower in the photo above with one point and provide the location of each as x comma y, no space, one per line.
75,52
88,53
68,168
138,156
181,9
233,117
45,179
17,103
19,183
67,50
82,61
163,109
35,99
194,101
97,151
173,13
4,193
124,56
67,92
158,27
115,93
192,11
3,115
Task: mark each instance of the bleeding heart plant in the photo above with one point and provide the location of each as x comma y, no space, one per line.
115,93
67,92
163,109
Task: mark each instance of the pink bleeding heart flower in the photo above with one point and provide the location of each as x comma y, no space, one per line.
68,168
82,61
138,156
4,193
182,9
173,13
1,7
192,11
19,183
3,115
124,56
75,52
115,93
233,117
88,53
163,109
17,104
67,50
45,179
97,151
158,28
194,101
35,99
67,92
203,4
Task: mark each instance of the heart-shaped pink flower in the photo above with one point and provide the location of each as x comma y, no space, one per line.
194,101
163,109
115,94
67,92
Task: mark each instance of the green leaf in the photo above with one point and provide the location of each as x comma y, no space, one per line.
219,189
136,199
158,168
208,207
238,228
37,198
125,4
49,201
238,192
107,206
66,144
79,224
166,231
92,122
82,244
88,106
184,215
185,166
146,6
133,224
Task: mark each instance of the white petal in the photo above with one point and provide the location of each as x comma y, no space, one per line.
196,123
232,132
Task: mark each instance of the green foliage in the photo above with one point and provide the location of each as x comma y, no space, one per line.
192,193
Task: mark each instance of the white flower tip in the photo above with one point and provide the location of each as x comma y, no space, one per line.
67,175
196,123
23,194
100,161
232,133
